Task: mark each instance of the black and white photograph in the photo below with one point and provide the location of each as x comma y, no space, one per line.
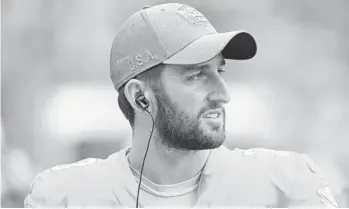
174,104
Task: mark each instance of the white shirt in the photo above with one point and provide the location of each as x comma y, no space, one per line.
231,178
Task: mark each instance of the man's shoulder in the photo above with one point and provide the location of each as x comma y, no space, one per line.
284,167
71,172
70,181
80,169
271,158
258,152
295,174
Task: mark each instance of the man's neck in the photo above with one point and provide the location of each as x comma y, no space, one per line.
167,166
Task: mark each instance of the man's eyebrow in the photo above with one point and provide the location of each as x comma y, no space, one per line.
222,62
190,68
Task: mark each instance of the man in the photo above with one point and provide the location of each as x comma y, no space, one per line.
167,63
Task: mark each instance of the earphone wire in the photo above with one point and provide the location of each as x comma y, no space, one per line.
145,156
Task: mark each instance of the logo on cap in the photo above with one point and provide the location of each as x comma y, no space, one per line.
140,60
193,16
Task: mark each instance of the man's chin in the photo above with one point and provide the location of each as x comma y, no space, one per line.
214,139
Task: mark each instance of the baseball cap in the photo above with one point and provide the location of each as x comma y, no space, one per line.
171,33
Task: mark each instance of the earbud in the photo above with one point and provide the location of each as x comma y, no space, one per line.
142,102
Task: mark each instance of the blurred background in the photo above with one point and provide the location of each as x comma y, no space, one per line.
58,104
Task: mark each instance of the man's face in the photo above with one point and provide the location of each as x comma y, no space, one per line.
187,94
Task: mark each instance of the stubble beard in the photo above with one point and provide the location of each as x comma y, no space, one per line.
177,130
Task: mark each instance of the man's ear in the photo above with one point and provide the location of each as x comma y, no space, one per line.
133,89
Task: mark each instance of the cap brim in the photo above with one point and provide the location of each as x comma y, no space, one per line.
238,45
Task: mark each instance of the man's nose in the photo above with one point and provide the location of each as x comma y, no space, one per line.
220,92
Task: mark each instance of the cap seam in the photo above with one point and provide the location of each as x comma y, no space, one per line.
147,20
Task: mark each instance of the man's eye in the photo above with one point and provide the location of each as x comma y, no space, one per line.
196,76
221,71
